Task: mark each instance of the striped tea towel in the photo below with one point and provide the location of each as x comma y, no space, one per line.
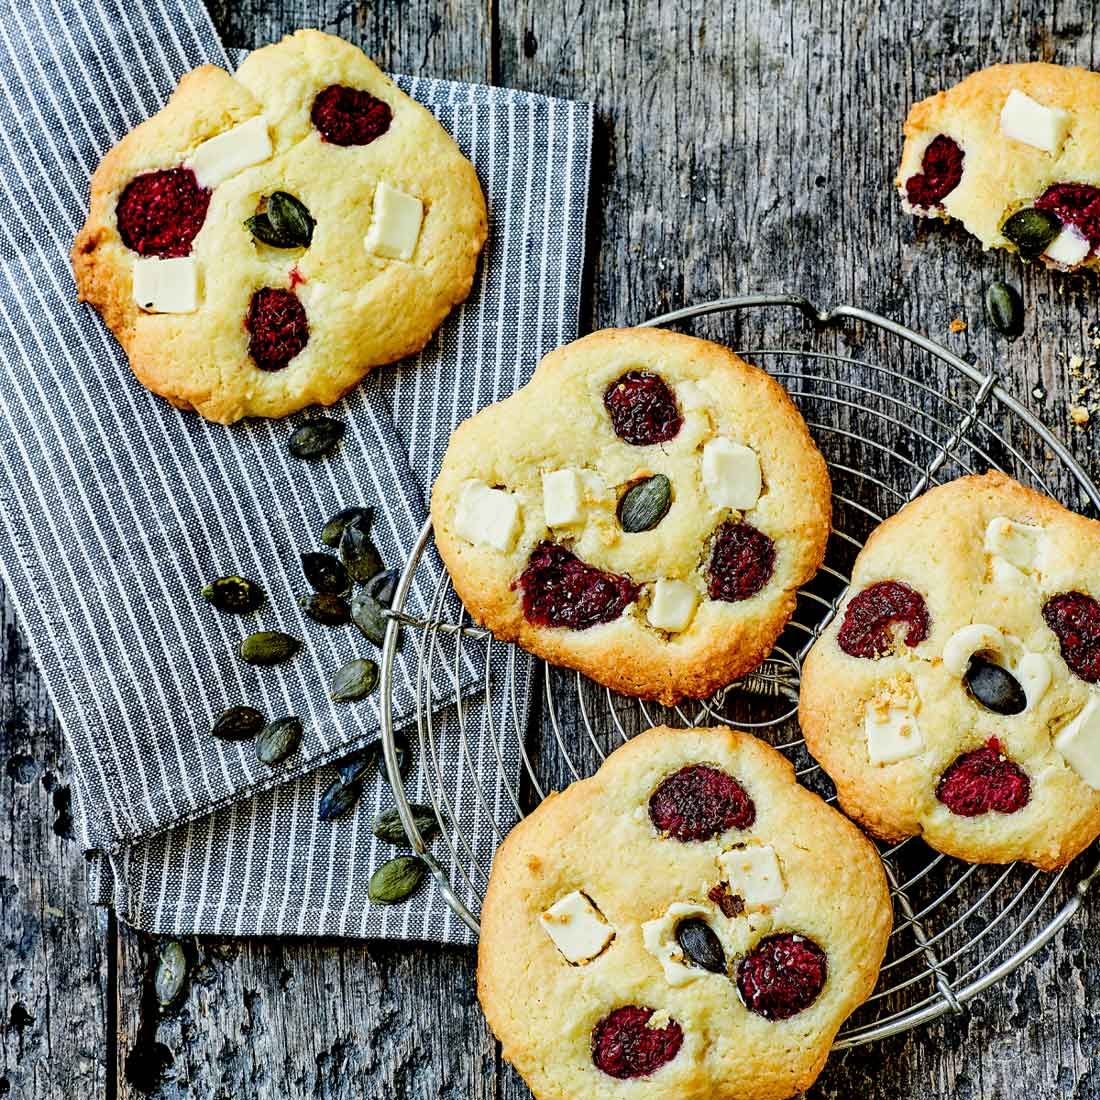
115,508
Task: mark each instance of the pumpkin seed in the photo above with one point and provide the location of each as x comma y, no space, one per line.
268,647
315,438
171,973
354,768
396,880
369,616
278,740
290,218
383,586
700,945
353,680
331,532
1006,309
325,573
238,723
1031,230
359,554
645,504
402,752
993,687
234,595
259,225
338,799
325,608
387,825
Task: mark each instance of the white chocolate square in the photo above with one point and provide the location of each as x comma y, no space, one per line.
892,733
166,286
1079,743
673,605
562,497
395,223
487,517
231,152
754,873
1025,119
731,474
1017,543
1069,248
579,930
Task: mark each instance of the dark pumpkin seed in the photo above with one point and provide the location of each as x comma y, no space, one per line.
171,973
700,945
234,595
338,799
396,880
404,757
993,687
331,532
259,225
645,504
357,766
369,616
268,647
1032,230
387,825
239,723
316,438
354,680
1006,309
278,740
325,572
325,608
383,586
290,218
359,554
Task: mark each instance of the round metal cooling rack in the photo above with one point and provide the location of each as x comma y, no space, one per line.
894,413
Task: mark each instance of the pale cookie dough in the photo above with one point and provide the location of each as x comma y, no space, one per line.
698,595
977,725
712,1024
399,221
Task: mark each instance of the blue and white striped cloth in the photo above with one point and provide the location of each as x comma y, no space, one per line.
115,508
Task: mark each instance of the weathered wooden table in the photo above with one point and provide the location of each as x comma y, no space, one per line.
740,146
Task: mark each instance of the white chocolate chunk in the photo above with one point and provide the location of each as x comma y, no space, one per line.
1024,119
579,930
892,733
1007,575
1069,248
394,224
731,474
964,643
166,286
754,873
487,517
1079,743
1017,543
659,937
673,605
231,152
1034,672
562,497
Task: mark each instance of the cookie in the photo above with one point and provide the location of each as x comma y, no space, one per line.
1013,152
643,510
957,693
268,238
688,923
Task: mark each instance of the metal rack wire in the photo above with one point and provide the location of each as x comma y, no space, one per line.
894,414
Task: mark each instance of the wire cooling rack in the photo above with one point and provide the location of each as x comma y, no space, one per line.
894,413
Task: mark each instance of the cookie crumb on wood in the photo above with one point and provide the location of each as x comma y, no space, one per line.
957,325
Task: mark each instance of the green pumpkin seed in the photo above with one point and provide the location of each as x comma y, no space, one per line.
234,595
353,680
359,554
325,573
338,799
290,218
334,529
1006,309
387,825
315,438
369,616
1031,230
238,723
396,880
171,973
259,225
268,647
278,740
645,504
325,608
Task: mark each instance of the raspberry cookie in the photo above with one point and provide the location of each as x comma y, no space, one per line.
269,237
689,922
957,692
643,510
1011,153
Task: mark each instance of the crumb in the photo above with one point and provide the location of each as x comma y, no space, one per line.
957,325
1076,362
1039,393
1079,415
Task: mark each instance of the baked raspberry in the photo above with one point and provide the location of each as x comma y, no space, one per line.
941,170
1076,204
561,590
625,1046
700,802
159,213
782,975
642,408
349,116
277,327
1075,619
984,780
867,630
741,563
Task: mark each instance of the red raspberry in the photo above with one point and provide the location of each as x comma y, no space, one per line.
782,975
561,590
742,562
160,213
623,1046
866,630
642,408
1075,619
1076,204
277,327
984,780
348,116
700,802
941,170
